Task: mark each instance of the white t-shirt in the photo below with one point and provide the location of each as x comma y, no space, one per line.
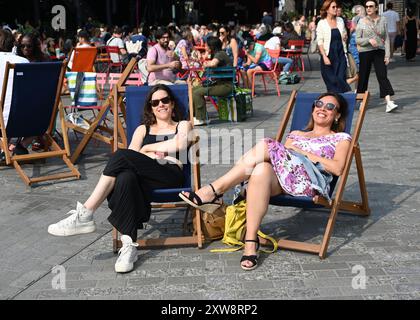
273,43
391,18
115,42
4,58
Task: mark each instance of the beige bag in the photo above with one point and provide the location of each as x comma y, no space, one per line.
212,224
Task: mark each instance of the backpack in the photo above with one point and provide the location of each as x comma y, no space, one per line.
235,228
290,78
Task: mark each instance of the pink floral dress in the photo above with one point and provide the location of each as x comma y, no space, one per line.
290,170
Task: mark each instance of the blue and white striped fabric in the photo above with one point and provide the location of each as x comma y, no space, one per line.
88,96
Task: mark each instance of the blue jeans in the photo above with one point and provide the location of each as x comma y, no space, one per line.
286,62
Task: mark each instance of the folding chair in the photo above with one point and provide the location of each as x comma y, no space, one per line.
219,73
167,198
114,51
115,136
33,112
273,73
301,106
84,59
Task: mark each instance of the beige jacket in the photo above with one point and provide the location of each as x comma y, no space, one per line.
323,34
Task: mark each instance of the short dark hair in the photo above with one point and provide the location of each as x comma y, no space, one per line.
117,30
6,41
160,32
376,2
389,5
83,34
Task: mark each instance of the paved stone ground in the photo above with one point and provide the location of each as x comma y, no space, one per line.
386,244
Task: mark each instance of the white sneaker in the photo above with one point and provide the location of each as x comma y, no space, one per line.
390,106
74,225
127,255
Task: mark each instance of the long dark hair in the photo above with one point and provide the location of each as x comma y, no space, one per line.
148,116
342,110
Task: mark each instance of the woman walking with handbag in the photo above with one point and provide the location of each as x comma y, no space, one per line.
374,48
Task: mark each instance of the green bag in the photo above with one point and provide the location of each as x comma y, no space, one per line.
235,228
291,78
224,104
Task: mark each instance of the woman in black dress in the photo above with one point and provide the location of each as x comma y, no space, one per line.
332,36
411,25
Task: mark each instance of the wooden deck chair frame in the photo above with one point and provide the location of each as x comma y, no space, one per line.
55,149
113,103
197,238
338,204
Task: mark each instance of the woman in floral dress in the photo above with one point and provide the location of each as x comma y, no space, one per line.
272,168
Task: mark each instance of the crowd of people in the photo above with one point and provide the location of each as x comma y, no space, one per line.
271,167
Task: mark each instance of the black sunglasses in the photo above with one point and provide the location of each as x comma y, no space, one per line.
329,106
370,6
26,46
156,102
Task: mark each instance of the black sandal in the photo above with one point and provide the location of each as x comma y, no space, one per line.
195,201
252,258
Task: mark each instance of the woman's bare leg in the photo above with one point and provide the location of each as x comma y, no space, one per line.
99,194
240,172
261,186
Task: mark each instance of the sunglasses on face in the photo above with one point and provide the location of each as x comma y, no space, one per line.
328,106
26,46
369,6
156,102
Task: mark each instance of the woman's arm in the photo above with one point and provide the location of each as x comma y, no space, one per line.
361,33
235,51
256,58
138,137
335,165
178,143
211,64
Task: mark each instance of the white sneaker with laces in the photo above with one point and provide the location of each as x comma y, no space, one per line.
390,106
127,255
74,225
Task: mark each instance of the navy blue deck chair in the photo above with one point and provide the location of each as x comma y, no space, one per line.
301,106
33,112
167,198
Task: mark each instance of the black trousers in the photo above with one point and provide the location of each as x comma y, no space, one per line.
375,57
136,176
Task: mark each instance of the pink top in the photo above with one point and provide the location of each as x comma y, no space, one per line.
161,56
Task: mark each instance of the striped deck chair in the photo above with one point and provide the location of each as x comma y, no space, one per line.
33,112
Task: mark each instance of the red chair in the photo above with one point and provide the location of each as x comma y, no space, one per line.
273,73
295,53
114,51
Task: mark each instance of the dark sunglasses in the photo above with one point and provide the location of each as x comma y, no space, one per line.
164,100
329,106
27,46
370,6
